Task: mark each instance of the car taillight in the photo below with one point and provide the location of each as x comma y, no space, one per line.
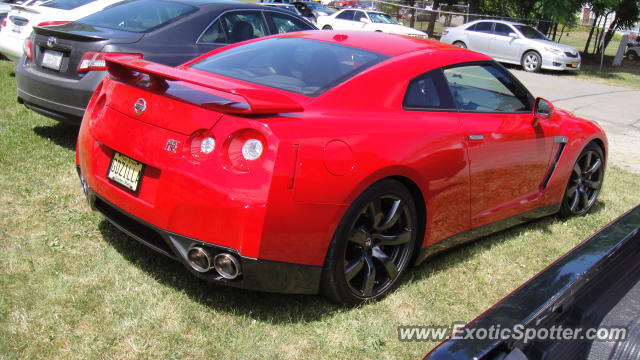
244,149
201,144
27,48
95,61
4,23
53,23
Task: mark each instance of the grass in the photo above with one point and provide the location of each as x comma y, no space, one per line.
73,287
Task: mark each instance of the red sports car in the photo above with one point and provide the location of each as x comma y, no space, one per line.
327,161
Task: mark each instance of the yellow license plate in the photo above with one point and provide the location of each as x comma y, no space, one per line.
574,64
125,171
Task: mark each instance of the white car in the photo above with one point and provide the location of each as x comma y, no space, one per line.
513,43
22,18
356,19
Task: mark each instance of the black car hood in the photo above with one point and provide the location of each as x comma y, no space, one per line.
83,32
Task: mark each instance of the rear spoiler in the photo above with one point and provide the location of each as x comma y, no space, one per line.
24,8
52,31
222,95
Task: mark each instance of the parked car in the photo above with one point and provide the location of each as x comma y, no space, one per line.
633,52
513,43
352,19
312,9
22,18
285,6
594,287
343,3
325,161
64,64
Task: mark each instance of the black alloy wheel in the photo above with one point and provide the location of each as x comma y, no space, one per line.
372,246
585,182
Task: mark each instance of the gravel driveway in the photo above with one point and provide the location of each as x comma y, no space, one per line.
616,109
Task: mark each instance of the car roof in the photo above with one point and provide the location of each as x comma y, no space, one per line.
221,4
388,44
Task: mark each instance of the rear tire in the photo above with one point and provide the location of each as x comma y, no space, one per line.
327,27
372,246
585,182
460,44
531,61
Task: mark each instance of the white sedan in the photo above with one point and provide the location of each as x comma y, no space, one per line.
22,18
356,19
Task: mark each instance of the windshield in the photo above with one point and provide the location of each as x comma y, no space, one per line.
316,5
137,16
530,33
290,8
383,18
303,66
66,4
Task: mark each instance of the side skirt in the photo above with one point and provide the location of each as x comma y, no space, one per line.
474,234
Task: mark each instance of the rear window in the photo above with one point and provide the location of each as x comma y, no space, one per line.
66,4
303,66
138,16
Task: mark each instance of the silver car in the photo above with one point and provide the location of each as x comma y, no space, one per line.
513,43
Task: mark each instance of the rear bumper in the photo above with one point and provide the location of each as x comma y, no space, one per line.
53,96
257,274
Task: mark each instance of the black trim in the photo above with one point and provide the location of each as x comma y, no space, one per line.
577,290
67,118
552,169
257,274
474,234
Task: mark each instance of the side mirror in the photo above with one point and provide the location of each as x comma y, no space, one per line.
514,35
542,109
365,20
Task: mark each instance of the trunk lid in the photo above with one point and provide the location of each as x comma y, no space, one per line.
71,42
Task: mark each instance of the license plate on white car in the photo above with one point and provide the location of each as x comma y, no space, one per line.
52,59
17,29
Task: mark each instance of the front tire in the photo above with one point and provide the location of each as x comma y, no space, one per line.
372,246
531,61
584,183
327,27
632,56
460,44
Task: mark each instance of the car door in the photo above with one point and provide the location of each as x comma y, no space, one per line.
509,152
479,36
344,20
503,46
442,159
357,23
231,27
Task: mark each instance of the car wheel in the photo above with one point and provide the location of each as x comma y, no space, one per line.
327,27
585,182
460,44
372,246
531,61
632,56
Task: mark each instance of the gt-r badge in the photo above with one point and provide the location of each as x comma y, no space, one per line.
140,106
172,145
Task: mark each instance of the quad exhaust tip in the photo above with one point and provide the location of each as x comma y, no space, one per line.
202,261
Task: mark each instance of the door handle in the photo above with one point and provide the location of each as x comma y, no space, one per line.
476,137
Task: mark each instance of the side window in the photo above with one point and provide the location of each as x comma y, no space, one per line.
471,28
246,25
346,15
484,26
285,24
428,92
359,15
214,34
502,29
485,88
